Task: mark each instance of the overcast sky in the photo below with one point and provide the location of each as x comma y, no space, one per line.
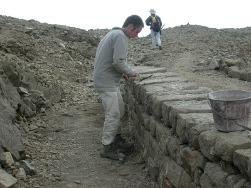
102,14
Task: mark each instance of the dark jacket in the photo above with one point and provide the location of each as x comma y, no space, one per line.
149,21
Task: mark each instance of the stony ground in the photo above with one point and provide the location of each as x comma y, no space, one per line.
66,152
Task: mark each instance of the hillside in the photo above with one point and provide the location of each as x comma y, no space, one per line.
51,120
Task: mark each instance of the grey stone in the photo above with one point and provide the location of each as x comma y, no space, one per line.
187,107
20,174
235,72
227,143
153,169
207,140
146,70
10,135
152,126
193,133
6,180
176,174
213,176
6,159
241,159
191,160
187,121
156,101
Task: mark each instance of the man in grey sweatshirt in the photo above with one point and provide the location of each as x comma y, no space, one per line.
110,66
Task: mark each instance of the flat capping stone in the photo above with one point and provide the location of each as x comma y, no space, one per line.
148,69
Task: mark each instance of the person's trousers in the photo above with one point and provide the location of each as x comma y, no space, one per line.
114,108
155,38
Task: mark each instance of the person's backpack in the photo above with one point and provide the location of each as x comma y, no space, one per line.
155,24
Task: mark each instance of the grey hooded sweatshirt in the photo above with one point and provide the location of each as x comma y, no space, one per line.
111,61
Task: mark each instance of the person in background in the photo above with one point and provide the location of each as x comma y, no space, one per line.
110,66
155,34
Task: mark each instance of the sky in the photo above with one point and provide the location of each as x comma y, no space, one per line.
105,14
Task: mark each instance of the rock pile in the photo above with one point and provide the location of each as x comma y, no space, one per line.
38,62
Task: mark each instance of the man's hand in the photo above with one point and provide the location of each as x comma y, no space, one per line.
135,74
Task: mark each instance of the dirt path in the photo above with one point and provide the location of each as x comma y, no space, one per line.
69,149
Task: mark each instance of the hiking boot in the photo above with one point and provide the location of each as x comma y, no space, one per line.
160,47
121,142
110,152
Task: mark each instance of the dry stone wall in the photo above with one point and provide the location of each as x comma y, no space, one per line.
173,125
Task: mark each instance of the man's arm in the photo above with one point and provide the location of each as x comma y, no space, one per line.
120,56
148,21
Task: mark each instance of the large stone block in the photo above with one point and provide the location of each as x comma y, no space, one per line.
162,136
186,107
149,70
166,107
235,72
163,182
153,169
139,109
176,174
161,131
160,89
173,147
156,102
227,143
145,92
193,133
156,152
148,77
213,176
187,121
191,160
217,145
207,140
6,180
161,78
236,180
242,159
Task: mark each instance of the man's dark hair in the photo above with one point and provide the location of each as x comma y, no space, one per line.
135,20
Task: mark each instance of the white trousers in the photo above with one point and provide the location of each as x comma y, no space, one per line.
155,38
114,108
